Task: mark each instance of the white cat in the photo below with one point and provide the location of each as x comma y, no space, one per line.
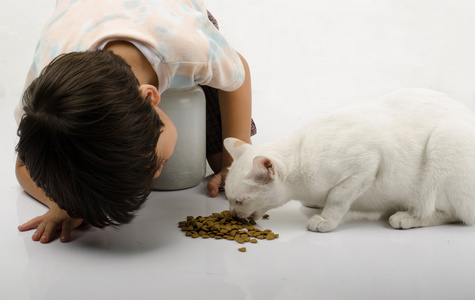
410,155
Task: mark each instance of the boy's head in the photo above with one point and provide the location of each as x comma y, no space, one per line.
88,138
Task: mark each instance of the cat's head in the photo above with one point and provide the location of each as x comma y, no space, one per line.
253,184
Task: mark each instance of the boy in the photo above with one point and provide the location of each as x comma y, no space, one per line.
91,135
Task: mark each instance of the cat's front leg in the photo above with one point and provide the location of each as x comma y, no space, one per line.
319,224
338,202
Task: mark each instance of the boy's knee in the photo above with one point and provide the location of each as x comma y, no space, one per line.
215,161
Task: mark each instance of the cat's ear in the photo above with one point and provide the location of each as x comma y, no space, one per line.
262,170
235,147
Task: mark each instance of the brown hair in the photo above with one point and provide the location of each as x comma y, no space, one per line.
88,139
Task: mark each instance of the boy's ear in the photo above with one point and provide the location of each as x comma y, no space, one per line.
150,92
235,147
262,170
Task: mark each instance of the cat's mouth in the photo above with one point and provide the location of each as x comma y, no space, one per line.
248,221
251,219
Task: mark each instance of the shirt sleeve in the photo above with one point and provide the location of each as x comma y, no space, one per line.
224,65
224,69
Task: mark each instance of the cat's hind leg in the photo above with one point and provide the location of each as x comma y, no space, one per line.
406,220
447,192
455,151
449,188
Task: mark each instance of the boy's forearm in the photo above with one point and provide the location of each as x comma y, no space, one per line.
29,186
236,110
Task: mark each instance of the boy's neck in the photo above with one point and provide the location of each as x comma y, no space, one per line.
136,60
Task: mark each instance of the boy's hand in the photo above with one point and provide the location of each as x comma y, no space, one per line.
47,224
216,184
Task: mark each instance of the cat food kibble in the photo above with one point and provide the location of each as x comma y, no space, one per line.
224,226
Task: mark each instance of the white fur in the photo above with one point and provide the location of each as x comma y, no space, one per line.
411,155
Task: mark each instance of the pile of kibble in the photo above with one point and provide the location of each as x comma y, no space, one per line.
224,226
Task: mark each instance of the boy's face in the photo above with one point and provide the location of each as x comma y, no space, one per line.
166,142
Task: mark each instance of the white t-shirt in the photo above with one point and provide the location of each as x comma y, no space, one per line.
182,45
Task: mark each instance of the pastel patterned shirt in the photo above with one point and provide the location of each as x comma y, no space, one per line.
182,45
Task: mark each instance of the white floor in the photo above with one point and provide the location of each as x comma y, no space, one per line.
307,57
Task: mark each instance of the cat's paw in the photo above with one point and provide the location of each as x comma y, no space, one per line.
404,220
318,223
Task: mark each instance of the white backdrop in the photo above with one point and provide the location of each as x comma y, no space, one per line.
307,57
